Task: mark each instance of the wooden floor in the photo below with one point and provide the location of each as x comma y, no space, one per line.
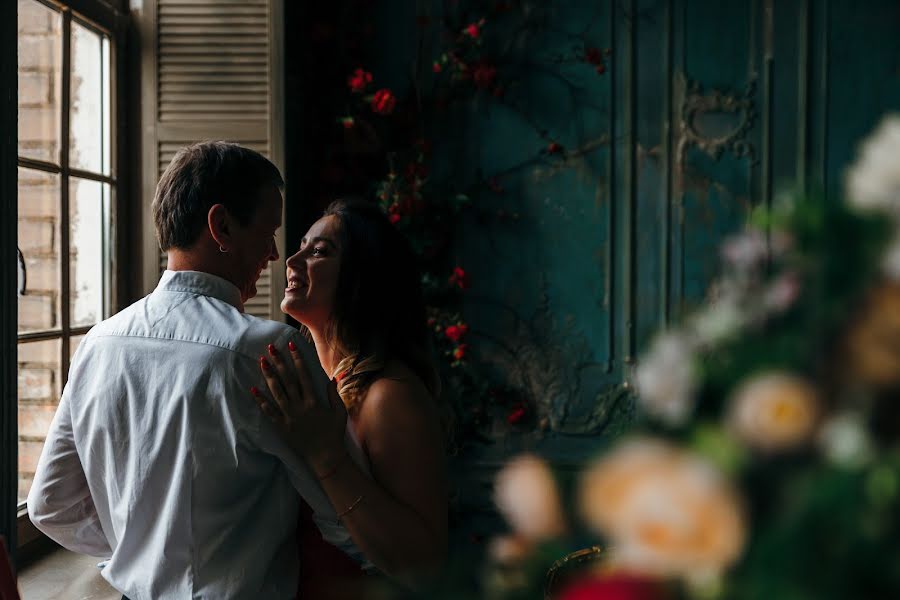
64,575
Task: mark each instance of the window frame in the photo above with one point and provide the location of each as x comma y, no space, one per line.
105,19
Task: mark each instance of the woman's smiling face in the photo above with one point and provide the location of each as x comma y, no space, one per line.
312,274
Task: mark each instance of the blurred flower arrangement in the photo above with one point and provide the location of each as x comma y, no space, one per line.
766,463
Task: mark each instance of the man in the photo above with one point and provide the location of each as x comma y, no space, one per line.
158,458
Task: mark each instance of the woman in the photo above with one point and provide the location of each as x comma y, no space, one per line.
354,287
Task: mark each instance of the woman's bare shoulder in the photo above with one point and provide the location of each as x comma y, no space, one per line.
396,399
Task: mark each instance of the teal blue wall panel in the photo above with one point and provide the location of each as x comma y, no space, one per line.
707,109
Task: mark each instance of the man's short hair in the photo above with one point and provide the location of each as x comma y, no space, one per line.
202,175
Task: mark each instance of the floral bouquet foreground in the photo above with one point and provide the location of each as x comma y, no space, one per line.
766,463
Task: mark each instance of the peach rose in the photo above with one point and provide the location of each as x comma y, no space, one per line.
526,494
872,342
509,549
774,411
666,511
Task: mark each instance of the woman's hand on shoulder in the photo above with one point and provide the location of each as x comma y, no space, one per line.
313,429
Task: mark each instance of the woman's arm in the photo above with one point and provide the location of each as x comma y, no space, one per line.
397,517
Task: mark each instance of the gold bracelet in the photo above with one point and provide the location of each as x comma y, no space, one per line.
351,508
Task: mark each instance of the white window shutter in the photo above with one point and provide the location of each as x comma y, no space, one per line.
211,69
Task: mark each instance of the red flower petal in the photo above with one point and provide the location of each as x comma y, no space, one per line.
516,415
613,587
383,102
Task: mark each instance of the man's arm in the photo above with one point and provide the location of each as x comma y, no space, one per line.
60,503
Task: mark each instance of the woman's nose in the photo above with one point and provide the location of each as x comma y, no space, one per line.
295,260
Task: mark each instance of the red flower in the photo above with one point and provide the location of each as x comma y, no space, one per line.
517,414
593,56
484,75
436,67
348,122
394,218
601,69
456,332
460,352
613,587
554,148
359,80
383,102
473,30
459,278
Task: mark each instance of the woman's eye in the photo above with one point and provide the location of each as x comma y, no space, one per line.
318,251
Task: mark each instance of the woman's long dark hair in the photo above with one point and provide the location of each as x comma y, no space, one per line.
379,311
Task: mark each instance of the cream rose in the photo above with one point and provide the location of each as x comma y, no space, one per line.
774,411
526,494
666,511
509,549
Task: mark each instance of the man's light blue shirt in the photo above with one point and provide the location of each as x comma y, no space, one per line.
159,460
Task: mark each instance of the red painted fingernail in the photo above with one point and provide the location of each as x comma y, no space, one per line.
263,362
292,346
272,350
254,390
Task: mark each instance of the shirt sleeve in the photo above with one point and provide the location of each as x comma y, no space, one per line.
60,503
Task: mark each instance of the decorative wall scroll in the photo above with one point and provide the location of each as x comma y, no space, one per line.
716,121
551,365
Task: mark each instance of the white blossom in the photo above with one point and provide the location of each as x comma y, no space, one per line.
873,181
745,251
782,292
722,318
845,441
666,380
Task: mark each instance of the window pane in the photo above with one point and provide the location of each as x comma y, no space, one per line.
86,235
74,341
90,107
40,59
38,228
39,387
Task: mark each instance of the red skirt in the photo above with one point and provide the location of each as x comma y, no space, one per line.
326,573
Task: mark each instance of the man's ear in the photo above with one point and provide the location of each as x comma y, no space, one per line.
219,221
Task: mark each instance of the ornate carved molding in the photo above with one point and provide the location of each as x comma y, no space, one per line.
738,108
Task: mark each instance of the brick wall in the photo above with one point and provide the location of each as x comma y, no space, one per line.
39,385
39,378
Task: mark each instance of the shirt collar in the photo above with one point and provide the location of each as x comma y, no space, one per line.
204,284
